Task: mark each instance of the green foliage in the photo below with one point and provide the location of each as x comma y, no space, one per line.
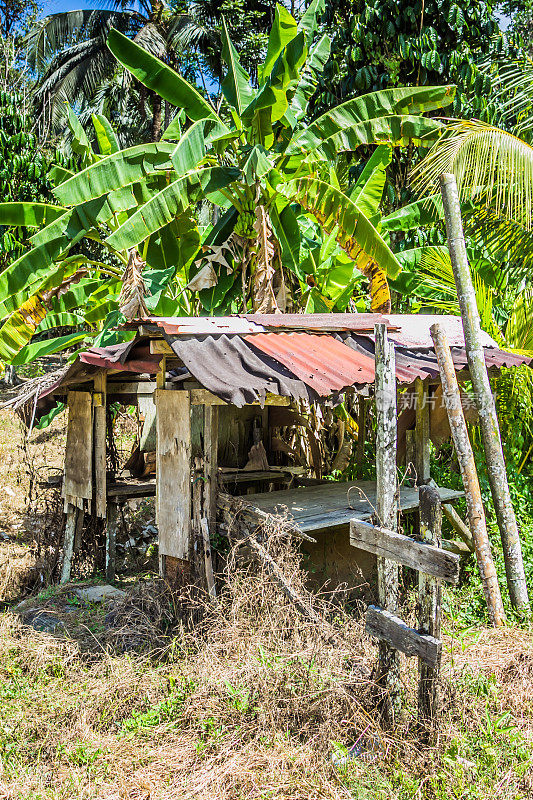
24,166
385,43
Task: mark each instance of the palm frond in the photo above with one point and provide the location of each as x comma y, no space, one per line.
56,32
519,329
150,38
506,242
492,167
513,87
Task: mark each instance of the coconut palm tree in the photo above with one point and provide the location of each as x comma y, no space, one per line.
493,166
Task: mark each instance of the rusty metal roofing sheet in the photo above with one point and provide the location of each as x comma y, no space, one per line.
321,322
322,362
198,326
414,330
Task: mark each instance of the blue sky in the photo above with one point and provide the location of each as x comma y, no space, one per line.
53,6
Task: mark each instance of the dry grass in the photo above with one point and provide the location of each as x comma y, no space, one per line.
132,702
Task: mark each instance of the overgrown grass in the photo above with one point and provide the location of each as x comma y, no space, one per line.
250,702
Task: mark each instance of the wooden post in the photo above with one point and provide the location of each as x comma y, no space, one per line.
422,451
474,504
361,433
68,542
111,540
210,463
100,467
429,597
386,507
410,452
173,491
512,550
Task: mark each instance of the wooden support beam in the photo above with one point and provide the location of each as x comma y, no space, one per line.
387,510
161,347
161,376
211,464
474,503
362,408
68,542
488,418
100,467
389,628
173,464
208,558
422,556
111,540
429,603
422,449
131,387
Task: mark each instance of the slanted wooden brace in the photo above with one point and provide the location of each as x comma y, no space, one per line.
393,549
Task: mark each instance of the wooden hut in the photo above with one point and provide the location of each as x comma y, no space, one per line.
216,395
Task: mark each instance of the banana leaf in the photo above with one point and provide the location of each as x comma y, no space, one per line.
353,232
284,29
29,215
415,215
236,85
166,205
105,135
120,169
311,72
368,191
45,348
363,116
156,75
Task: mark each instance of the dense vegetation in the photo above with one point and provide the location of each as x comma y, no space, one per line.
214,158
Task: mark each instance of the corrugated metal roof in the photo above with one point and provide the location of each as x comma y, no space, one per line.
321,322
241,367
231,369
408,330
197,326
322,362
414,330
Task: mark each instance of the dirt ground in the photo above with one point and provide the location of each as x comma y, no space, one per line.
127,700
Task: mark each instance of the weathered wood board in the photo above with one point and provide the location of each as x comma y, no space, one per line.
425,558
389,628
314,508
78,480
173,495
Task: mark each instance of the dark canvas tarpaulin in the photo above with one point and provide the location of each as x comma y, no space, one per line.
229,368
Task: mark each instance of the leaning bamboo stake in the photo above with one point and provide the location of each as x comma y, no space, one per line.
512,551
386,508
474,504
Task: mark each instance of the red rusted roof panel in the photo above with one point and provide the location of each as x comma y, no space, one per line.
322,362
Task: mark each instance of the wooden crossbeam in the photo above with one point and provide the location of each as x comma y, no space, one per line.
401,549
387,627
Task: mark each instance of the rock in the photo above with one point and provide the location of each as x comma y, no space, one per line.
42,620
97,594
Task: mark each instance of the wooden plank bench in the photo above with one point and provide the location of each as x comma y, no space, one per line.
330,505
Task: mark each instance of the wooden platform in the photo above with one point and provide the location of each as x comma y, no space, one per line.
315,508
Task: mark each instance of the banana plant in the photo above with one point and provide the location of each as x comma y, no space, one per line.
132,213
283,164
71,277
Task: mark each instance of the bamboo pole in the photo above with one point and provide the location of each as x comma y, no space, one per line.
474,504
512,550
387,510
